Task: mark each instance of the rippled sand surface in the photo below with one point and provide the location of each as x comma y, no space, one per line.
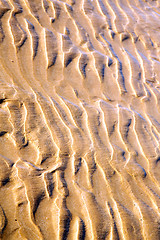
79,119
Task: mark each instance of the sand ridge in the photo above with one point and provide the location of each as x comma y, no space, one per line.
79,119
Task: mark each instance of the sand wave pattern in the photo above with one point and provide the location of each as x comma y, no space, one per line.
79,119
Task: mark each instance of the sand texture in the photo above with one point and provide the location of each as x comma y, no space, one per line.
80,119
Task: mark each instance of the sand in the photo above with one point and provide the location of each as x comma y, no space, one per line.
79,119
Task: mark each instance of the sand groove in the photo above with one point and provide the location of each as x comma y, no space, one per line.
79,119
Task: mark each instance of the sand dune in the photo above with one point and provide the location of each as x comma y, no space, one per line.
79,119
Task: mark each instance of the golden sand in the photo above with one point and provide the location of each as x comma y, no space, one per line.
79,119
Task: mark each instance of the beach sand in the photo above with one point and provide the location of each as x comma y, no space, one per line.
79,119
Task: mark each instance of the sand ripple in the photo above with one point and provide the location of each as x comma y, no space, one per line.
79,119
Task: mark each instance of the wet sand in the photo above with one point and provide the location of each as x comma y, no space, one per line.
79,119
